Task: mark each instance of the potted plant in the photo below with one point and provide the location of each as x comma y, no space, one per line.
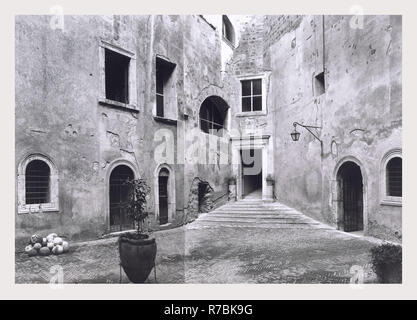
231,180
387,263
136,250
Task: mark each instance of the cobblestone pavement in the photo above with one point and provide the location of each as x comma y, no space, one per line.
216,255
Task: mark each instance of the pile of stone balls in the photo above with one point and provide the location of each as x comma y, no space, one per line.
52,244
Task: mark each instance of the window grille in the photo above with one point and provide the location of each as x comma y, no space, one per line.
394,177
37,179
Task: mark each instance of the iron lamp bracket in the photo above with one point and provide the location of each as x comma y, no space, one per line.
309,129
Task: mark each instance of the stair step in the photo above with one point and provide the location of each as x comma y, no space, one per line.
257,211
254,208
255,215
256,222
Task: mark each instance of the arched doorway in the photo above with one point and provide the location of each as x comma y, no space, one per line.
119,219
350,185
163,178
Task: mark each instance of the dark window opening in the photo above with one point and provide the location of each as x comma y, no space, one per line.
228,31
319,84
252,95
37,183
394,177
213,113
117,76
164,71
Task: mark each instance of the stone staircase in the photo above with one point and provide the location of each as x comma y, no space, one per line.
255,213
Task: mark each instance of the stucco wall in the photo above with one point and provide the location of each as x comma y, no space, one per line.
360,112
57,111
58,114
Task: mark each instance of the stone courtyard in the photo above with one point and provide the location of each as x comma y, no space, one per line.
212,251
271,145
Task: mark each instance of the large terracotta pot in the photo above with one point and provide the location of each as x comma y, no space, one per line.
137,257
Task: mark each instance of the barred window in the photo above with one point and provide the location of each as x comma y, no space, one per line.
37,184
394,177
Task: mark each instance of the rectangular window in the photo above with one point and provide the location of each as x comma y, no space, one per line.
251,95
117,76
164,94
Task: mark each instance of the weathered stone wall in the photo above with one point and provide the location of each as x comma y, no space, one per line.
57,114
202,80
57,111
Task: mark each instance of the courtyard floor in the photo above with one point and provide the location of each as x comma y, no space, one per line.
216,255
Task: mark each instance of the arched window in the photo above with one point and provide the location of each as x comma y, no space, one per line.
213,113
391,178
394,177
37,185
228,31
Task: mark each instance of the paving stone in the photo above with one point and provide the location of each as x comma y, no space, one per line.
220,252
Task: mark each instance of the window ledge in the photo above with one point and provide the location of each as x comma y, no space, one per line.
117,105
165,120
396,202
251,113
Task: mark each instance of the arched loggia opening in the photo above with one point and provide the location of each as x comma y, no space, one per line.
350,190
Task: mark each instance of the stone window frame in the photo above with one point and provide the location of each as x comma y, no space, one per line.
263,77
385,198
132,86
53,205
